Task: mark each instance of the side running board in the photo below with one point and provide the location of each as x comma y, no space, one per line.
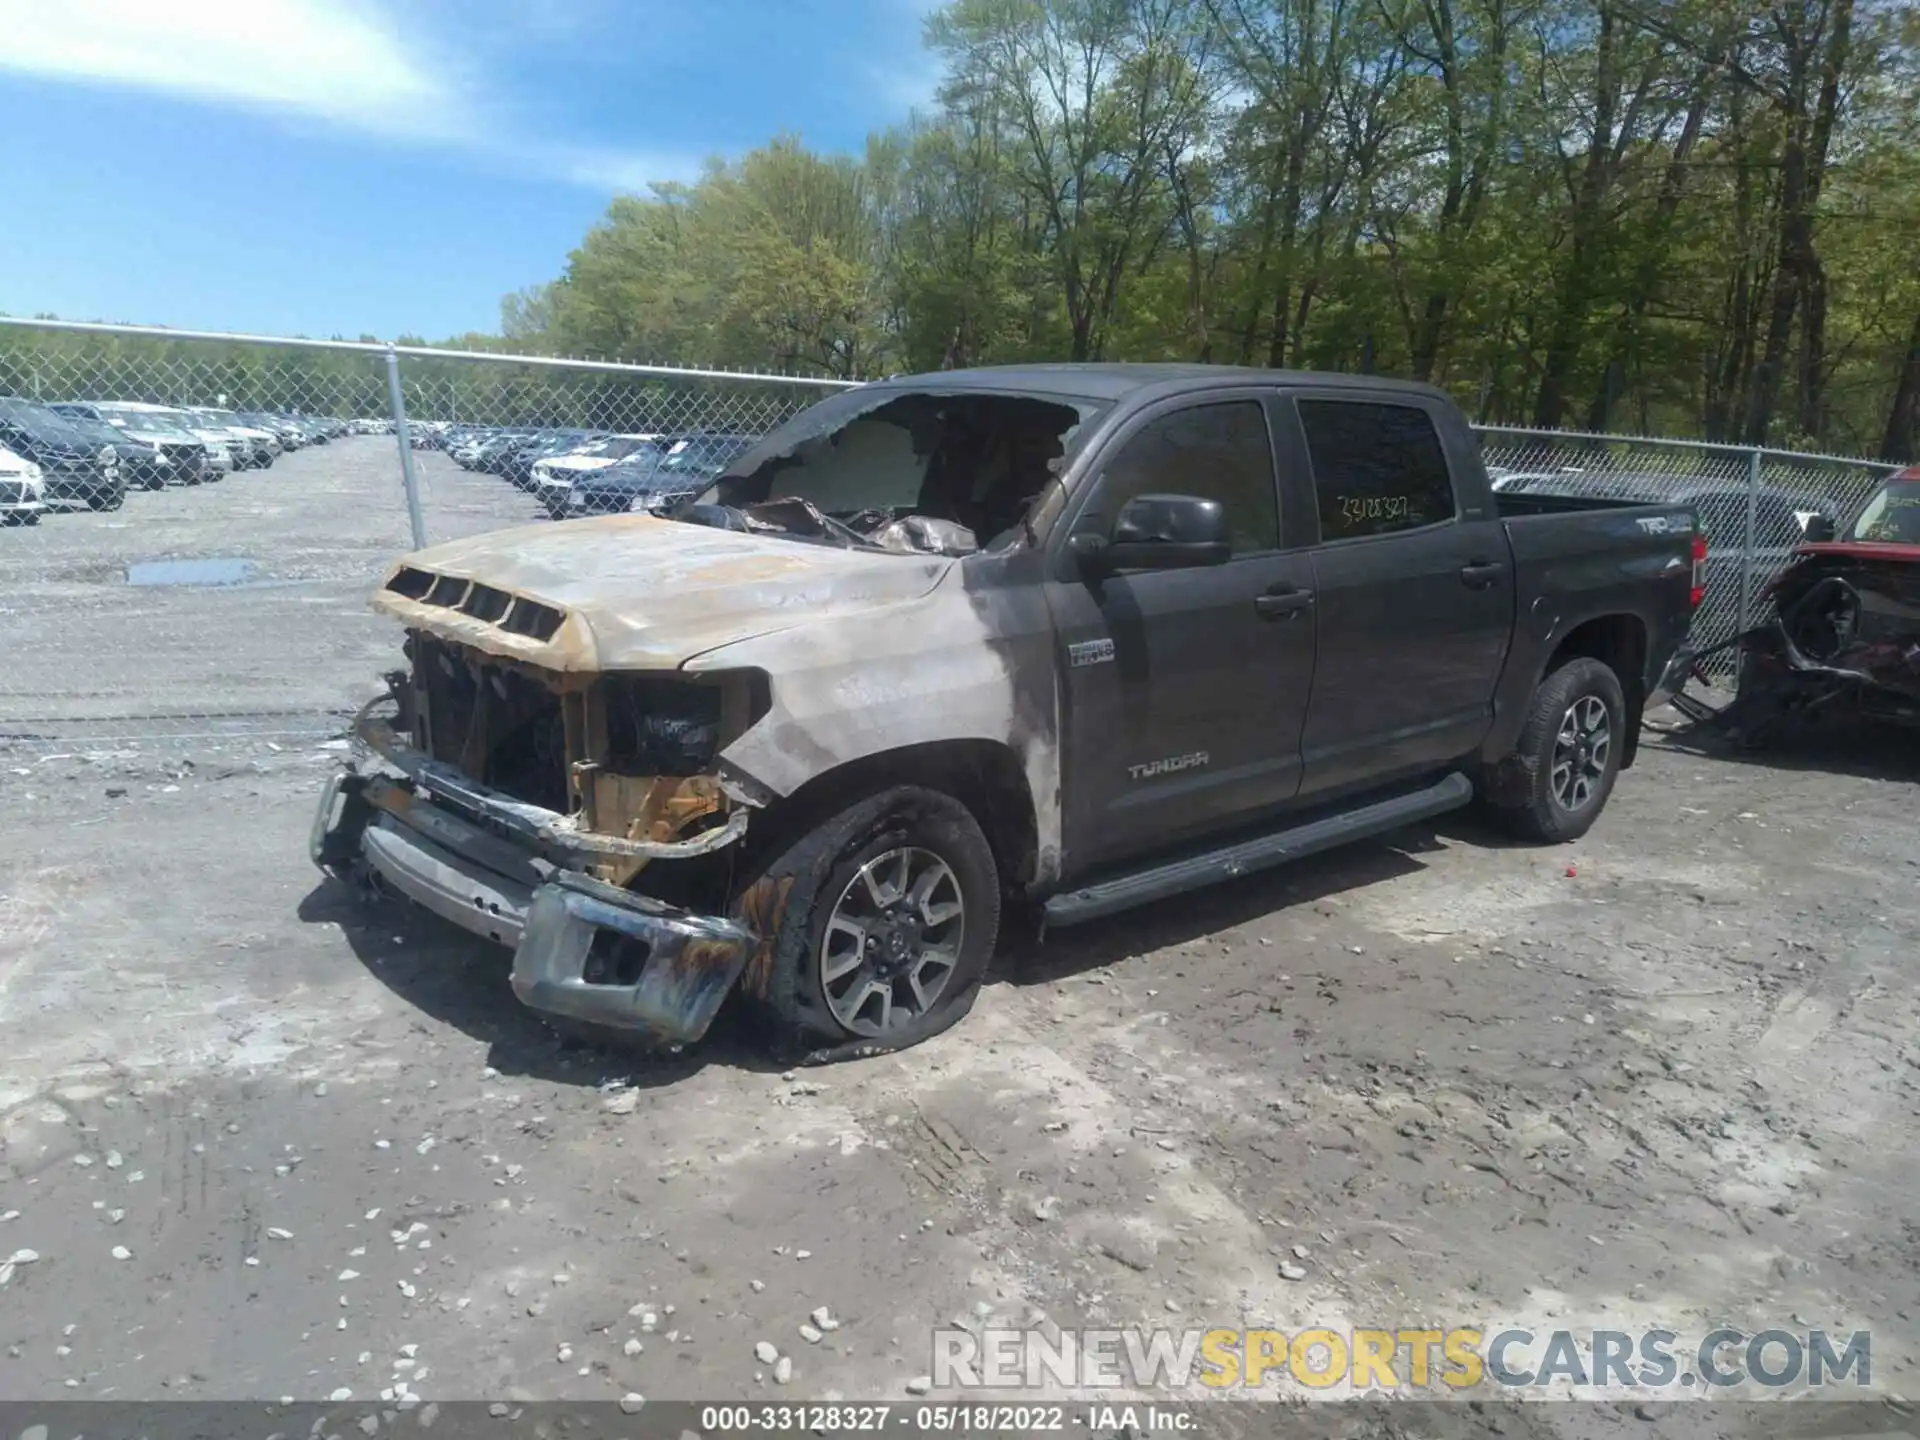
1172,877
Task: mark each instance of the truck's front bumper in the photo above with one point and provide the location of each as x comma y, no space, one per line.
581,949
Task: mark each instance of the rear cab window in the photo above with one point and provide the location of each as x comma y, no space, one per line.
1378,467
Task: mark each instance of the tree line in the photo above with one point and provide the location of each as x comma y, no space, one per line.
1686,217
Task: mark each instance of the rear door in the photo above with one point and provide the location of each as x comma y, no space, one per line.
1184,691
1413,591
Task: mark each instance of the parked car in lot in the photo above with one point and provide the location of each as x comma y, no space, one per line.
652,479
554,476
517,465
154,450
1087,635
658,479
253,448
23,493
72,465
214,445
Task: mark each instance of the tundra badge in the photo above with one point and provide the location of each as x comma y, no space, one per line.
1172,765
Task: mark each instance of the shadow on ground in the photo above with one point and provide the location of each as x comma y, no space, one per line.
1836,745
1027,958
463,981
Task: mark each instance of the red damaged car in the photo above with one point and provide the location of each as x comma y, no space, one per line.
1845,625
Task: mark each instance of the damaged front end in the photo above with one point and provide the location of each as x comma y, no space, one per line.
555,813
1843,637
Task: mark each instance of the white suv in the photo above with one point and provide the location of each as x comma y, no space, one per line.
23,491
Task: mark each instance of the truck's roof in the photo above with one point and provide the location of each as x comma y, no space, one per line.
1089,381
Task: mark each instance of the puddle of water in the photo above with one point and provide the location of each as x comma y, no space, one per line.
219,571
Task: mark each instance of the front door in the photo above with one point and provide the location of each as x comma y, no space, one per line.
1185,691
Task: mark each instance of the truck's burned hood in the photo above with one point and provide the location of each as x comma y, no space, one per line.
632,592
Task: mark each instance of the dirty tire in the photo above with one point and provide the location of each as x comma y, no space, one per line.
814,870
1536,813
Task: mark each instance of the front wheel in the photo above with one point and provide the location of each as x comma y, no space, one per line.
883,919
1569,753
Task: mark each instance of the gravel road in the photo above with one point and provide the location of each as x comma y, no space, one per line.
266,1138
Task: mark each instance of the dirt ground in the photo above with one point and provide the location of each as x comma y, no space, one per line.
267,1139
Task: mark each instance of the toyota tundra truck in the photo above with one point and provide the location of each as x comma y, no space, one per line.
1068,637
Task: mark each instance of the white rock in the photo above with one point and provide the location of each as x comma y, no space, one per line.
406,1289
1299,1252
498,1409
120,1252
115,1216
631,1402
1291,1271
566,1354
83,1161
349,1274
803,1254
757,1285
809,1334
621,1102
824,1319
783,1370
409,1351
631,1348
919,1384
765,1352
343,1393
251,1260
276,1233
115,1160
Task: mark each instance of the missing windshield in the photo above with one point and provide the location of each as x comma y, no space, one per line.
922,471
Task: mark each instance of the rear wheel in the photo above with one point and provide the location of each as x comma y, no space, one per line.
888,914
111,498
1569,753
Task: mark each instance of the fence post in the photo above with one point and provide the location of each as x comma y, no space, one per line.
1746,552
401,434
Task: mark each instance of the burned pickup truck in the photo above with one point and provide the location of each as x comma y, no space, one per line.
1076,637
1842,632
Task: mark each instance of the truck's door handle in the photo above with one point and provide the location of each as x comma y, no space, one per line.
1279,603
1481,573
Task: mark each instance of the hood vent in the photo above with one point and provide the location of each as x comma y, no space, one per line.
512,613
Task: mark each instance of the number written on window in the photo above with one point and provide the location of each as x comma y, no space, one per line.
1376,468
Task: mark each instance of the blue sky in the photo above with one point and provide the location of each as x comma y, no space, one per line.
389,166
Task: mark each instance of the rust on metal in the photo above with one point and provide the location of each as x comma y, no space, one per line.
763,905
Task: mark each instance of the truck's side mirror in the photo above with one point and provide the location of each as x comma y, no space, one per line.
1818,530
1158,532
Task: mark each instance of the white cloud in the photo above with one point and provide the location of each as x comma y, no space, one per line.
624,171
342,63
333,60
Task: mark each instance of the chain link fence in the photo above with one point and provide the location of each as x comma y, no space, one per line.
1752,504
193,521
